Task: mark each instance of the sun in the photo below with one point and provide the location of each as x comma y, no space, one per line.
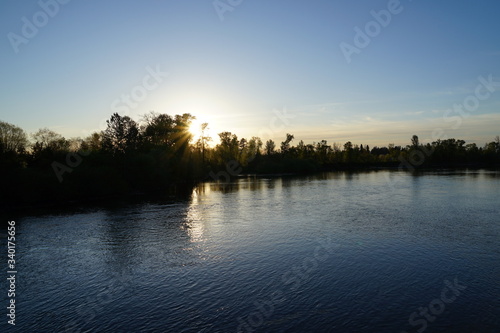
195,128
200,127
205,108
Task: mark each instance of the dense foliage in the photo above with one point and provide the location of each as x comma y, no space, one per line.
159,154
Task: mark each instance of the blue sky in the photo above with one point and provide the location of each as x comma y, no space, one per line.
239,66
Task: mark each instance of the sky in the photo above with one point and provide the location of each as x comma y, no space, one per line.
370,72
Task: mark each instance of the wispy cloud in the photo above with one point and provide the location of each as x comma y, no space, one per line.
380,131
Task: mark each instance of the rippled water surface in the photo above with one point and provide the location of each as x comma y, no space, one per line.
337,252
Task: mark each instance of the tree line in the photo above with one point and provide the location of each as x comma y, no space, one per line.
159,153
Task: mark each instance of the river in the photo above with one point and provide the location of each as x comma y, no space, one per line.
378,251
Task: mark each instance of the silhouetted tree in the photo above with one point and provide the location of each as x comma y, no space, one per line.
13,144
254,147
92,143
182,135
228,148
49,142
348,152
285,145
414,141
12,138
270,146
204,140
121,135
159,129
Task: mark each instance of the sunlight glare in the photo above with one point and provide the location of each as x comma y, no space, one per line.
195,128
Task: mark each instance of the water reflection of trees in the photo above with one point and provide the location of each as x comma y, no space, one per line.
175,233
256,183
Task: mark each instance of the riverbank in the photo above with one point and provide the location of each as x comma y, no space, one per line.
56,199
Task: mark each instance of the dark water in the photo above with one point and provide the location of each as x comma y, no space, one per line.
336,252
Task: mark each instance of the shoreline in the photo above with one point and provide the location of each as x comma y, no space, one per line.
182,191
